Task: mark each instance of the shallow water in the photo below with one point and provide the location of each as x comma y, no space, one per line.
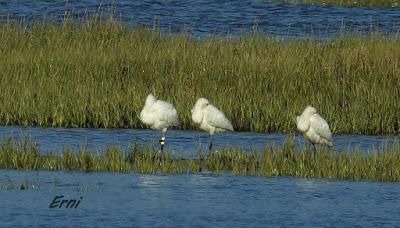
128,199
177,141
207,17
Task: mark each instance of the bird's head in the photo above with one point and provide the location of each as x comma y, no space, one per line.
201,103
309,111
303,121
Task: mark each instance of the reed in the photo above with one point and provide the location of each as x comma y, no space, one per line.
97,74
381,164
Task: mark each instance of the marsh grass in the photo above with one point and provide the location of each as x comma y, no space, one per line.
97,74
381,164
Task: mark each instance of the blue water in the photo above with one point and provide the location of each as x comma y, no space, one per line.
177,141
208,17
206,200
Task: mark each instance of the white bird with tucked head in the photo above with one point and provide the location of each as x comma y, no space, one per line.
314,127
210,118
159,115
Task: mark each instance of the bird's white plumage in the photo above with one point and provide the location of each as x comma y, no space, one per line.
159,115
210,118
314,127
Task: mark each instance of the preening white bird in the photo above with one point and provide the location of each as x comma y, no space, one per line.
314,127
210,118
159,115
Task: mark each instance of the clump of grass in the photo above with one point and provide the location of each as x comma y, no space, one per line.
149,160
379,164
21,155
97,74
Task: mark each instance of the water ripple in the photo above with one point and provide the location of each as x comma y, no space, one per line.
207,17
198,200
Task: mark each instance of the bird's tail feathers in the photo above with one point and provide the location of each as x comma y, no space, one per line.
329,143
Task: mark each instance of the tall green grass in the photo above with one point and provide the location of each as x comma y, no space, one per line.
381,164
97,74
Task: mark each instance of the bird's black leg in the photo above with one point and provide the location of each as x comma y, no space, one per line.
210,146
315,150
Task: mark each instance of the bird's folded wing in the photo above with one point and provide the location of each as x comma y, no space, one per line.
197,115
165,112
320,127
217,118
303,123
147,116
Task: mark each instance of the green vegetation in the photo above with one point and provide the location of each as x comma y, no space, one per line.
381,164
98,74
372,3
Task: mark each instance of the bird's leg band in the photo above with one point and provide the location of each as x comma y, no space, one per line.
162,142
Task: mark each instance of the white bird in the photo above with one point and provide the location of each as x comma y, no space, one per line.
314,127
159,115
210,118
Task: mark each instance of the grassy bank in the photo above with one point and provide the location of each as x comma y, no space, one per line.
98,75
371,3
381,165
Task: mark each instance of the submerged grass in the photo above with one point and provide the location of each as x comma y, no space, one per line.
380,164
97,74
18,186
